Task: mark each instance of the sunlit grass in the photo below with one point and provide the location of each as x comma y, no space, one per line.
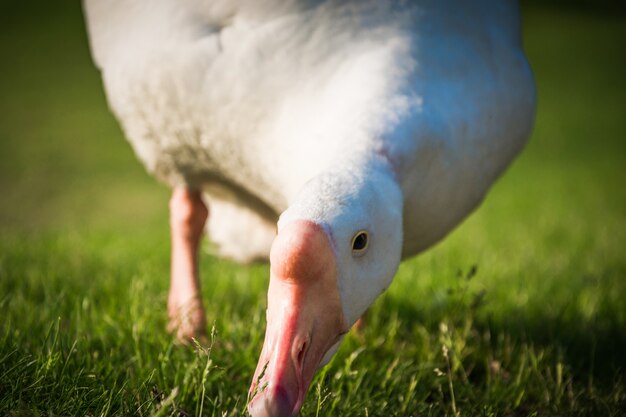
518,312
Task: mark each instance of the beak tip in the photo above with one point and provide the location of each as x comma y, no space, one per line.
274,404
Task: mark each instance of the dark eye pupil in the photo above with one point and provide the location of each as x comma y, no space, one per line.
360,242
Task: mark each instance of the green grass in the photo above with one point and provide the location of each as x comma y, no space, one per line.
519,312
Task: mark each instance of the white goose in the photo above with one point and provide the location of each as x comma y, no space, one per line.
366,129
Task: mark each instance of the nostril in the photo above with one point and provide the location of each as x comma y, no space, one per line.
301,353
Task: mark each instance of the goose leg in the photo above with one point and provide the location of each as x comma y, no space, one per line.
188,214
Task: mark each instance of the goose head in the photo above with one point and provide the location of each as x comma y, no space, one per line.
337,249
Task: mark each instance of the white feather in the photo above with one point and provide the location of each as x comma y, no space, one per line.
257,98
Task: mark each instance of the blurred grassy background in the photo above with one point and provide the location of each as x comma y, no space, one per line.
63,161
549,241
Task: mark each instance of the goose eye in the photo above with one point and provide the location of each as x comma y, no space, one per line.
360,242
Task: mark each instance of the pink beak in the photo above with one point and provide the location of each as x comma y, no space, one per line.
304,319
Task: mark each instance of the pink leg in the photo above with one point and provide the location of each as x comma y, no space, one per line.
188,214
359,327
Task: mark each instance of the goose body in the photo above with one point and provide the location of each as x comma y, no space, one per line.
334,116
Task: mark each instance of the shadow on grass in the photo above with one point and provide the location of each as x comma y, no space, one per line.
591,347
